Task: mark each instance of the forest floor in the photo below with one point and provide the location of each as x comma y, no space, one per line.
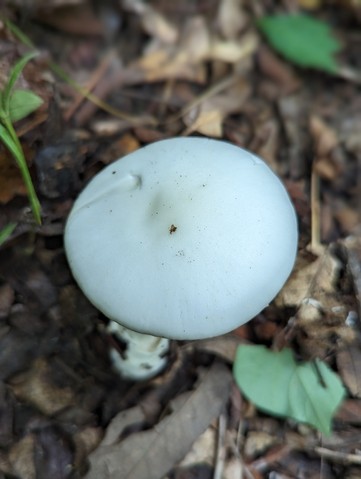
161,69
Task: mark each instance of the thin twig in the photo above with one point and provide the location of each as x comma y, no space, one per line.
315,212
221,448
338,457
95,78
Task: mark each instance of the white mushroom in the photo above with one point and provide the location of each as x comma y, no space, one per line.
185,238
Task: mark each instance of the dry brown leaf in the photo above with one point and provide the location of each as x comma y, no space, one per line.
21,457
267,139
35,386
11,182
74,19
164,62
324,137
185,59
153,22
231,18
233,468
353,247
85,442
208,117
349,366
279,71
349,411
203,449
309,278
347,216
7,296
321,317
257,442
233,51
223,346
150,454
134,415
195,39
294,116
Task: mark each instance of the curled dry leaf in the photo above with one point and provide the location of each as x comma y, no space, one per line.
233,51
310,277
231,18
153,22
162,61
324,137
325,143
185,59
321,312
150,454
208,117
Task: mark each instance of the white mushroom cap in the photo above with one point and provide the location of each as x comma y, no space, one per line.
185,238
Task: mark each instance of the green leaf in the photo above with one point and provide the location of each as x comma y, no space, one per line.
22,103
303,40
6,232
14,75
276,384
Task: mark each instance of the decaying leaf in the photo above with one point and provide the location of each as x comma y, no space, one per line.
153,22
310,278
321,313
231,18
203,449
21,458
11,182
223,346
185,59
208,117
36,387
353,249
150,454
349,365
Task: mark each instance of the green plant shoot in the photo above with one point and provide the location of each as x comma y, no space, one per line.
16,105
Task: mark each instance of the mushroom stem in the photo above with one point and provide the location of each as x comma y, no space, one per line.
144,357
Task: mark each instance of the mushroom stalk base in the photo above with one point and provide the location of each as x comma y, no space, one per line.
144,357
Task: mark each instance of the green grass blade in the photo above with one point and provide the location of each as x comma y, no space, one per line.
14,75
24,39
6,232
12,143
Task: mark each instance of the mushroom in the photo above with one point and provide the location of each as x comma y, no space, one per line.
186,238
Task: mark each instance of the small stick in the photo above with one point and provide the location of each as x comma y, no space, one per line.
221,450
338,457
315,213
